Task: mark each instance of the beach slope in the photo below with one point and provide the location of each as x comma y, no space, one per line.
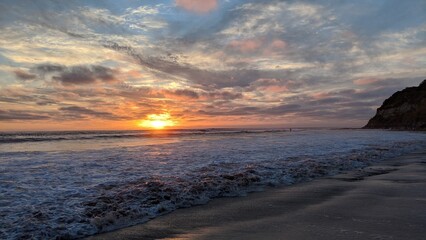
384,201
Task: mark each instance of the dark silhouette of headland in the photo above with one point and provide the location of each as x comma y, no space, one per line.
404,110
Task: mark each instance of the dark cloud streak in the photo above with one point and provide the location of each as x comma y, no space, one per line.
78,75
12,115
205,79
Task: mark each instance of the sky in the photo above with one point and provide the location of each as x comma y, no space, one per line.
129,64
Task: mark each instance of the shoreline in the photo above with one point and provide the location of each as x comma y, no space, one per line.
386,200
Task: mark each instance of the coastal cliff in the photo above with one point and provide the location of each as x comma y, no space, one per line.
404,110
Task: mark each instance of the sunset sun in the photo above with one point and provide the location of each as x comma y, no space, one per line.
157,121
158,124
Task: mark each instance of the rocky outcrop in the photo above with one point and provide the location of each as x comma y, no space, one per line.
404,110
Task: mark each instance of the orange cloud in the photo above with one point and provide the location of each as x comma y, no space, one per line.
198,6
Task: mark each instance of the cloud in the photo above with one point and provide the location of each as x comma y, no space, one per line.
365,81
347,104
11,115
207,79
278,44
247,45
79,111
197,6
224,95
78,75
85,75
185,93
21,95
49,68
282,109
22,75
254,45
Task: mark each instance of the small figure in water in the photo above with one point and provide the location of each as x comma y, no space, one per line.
290,129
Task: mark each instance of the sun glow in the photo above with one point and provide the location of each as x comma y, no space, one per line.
157,121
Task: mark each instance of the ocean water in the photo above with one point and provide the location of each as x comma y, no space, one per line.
76,184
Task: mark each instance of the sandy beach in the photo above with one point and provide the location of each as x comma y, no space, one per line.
384,201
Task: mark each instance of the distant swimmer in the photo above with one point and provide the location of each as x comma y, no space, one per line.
290,129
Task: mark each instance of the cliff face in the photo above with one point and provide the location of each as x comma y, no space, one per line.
405,110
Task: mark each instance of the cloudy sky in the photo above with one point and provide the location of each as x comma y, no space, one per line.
89,64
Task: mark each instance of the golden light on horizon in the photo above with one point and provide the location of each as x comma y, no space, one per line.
157,121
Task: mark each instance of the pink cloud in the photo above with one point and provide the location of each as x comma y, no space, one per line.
278,44
271,85
320,95
269,47
274,89
246,45
198,6
275,47
365,81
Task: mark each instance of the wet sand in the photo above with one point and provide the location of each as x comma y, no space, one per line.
384,201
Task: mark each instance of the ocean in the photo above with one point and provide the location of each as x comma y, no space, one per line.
79,183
